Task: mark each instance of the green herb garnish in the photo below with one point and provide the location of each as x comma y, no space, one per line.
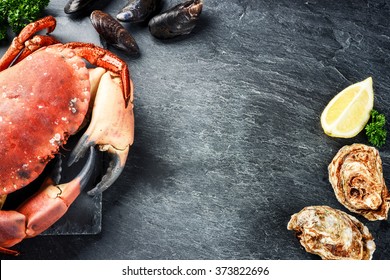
375,129
18,13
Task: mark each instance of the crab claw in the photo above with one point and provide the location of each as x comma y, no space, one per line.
111,129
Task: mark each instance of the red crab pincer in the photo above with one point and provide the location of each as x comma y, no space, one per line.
46,95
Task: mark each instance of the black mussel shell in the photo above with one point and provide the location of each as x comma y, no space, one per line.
113,32
179,20
74,6
138,10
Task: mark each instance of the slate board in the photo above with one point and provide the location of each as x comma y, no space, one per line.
228,142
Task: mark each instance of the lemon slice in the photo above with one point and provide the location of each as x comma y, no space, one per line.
349,111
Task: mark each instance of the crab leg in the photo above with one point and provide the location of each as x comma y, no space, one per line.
103,58
27,32
37,42
43,209
111,128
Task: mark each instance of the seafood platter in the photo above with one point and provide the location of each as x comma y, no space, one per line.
194,129
47,84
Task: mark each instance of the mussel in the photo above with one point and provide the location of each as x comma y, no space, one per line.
111,31
139,10
179,20
74,6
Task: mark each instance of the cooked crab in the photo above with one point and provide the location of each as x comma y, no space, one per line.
357,179
46,91
332,234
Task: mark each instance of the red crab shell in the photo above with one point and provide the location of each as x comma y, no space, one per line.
43,100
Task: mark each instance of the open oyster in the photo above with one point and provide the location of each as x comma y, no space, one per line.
332,234
357,180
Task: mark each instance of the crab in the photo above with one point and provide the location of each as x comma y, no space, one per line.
48,94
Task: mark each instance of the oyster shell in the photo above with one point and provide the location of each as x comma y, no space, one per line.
357,180
332,234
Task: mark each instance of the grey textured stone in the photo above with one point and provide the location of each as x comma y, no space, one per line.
228,141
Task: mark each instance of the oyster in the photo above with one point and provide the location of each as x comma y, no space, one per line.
357,180
332,234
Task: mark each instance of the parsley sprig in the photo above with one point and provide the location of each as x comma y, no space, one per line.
375,129
18,13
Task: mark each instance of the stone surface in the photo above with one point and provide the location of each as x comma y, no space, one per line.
228,142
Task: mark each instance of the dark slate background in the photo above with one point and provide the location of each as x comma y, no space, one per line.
228,141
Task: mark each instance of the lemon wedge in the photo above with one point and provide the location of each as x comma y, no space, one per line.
349,111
